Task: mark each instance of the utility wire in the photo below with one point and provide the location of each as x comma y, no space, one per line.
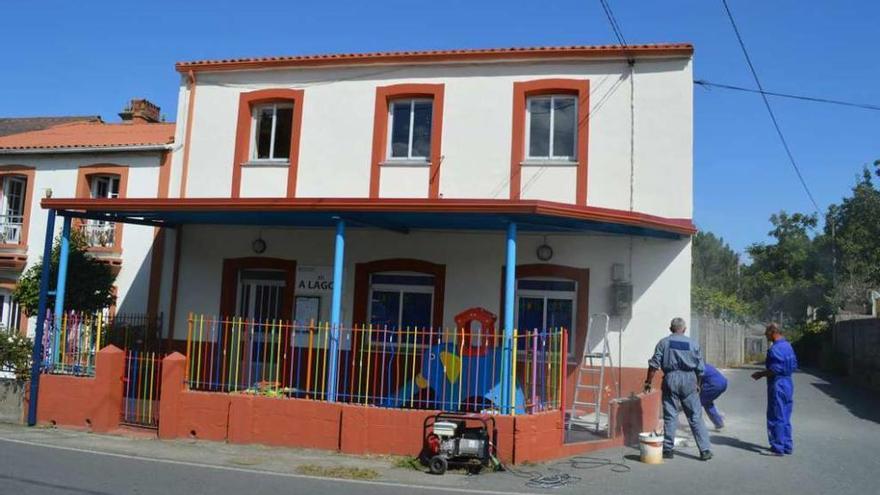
763,93
709,84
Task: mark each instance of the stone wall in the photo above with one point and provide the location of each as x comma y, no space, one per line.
857,343
11,400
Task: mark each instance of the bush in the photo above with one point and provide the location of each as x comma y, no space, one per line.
15,354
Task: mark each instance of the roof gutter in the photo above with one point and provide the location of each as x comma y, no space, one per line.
91,149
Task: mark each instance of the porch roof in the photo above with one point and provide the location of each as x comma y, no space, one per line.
395,214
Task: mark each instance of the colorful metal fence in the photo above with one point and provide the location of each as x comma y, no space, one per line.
456,370
70,345
142,388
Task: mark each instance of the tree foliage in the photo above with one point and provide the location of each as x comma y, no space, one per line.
89,281
715,278
802,275
856,231
785,277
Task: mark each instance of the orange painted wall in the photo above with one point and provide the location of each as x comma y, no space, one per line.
368,430
284,422
93,404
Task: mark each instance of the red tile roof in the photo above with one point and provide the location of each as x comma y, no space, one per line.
532,53
90,135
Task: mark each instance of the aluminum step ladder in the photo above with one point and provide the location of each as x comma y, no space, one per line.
587,414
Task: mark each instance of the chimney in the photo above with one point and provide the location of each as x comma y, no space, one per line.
140,111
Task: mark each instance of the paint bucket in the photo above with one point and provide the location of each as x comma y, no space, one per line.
651,447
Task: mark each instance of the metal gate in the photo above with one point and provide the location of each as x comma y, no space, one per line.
142,383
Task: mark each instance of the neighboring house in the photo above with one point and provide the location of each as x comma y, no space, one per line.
81,158
428,158
17,125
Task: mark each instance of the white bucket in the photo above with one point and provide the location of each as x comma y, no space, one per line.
651,448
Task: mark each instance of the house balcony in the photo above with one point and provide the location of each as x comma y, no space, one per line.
99,234
11,229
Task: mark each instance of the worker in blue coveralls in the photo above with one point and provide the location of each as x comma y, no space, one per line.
714,384
781,363
679,358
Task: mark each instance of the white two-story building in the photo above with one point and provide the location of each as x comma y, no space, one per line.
84,158
434,171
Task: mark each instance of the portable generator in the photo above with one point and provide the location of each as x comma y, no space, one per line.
465,440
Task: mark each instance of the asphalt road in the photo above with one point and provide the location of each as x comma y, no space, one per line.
836,429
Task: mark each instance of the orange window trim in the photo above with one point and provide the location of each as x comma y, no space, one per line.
526,89
84,190
29,173
246,103
384,95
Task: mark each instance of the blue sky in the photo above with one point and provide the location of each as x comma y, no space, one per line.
91,57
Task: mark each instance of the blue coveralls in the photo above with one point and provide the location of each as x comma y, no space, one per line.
780,396
679,358
714,384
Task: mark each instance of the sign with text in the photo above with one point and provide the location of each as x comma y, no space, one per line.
314,279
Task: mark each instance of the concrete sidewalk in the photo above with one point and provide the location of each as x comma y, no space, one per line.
836,428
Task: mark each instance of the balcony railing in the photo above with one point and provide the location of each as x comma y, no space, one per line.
99,234
10,229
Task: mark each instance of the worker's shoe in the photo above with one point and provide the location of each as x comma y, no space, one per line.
668,454
705,455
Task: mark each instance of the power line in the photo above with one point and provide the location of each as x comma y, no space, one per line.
708,84
763,93
618,32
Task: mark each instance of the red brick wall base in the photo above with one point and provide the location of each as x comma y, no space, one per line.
92,404
238,418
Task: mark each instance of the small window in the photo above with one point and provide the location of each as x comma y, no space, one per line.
10,312
272,131
105,186
12,208
410,129
551,127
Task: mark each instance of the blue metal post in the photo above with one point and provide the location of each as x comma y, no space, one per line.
336,310
37,355
63,254
509,308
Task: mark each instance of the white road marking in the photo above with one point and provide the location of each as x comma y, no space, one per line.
258,471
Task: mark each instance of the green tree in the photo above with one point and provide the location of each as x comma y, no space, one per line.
856,223
715,264
89,281
786,276
716,279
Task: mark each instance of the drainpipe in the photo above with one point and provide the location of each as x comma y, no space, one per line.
37,356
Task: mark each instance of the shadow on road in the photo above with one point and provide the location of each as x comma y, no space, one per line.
43,484
736,443
861,402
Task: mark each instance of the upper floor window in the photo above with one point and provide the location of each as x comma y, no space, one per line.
271,131
551,127
99,233
105,186
12,208
410,124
